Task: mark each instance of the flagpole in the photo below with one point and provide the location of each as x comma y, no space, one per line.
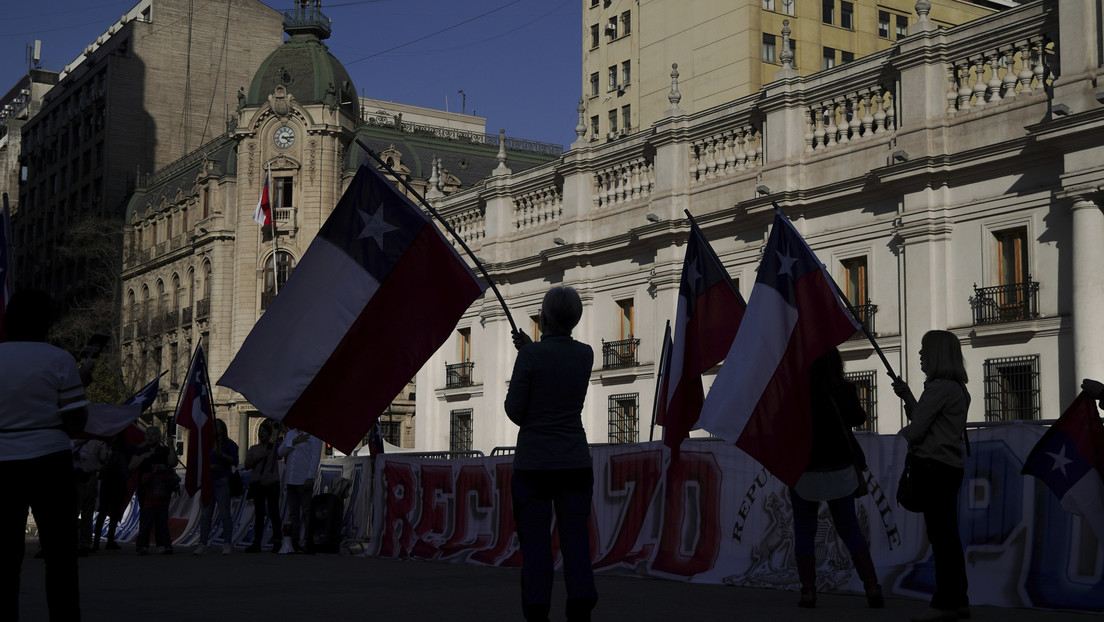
448,227
855,316
272,210
663,371
180,398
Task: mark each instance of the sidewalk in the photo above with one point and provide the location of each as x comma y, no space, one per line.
119,586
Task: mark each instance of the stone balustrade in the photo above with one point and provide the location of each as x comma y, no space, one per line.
470,224
623,182
537,207
999,74
726,153
850,117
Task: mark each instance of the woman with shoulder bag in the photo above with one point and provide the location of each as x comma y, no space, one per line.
935,434
264,485
832,475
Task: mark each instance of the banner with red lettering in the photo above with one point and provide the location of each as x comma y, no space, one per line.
716,516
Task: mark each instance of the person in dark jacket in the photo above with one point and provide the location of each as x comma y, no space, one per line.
832,476
553,473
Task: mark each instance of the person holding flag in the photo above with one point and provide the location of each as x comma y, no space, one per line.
221,462
936,429
154,463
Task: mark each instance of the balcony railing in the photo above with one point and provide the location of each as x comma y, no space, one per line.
203,308
621,353
1005,303
172,319
129,330
459,374
186,316
866,314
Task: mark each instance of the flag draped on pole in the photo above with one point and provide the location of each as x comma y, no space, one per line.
708,315
145,396
1070,460
263,213
374,296
760,398
195,413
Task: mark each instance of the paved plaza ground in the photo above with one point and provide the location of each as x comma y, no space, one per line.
119,586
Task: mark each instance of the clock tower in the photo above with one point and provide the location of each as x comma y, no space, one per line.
294,127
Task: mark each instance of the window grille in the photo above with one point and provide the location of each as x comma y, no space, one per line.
867,384
624,418
391,432
1012,388
460,430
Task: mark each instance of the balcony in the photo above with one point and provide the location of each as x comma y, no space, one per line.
129,330
622,353
171,319
865,314
1005,303
186,316
203,308
459,375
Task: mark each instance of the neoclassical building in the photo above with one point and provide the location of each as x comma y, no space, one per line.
199,270
951,181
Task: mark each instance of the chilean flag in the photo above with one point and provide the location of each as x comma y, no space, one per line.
706,320
760,399
374,296
1070,460
195,413
5,262
263,213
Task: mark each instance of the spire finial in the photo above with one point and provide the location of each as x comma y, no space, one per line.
923,23
674,96
580,129
787,55
501,169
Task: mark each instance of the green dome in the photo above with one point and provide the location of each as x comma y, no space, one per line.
304,66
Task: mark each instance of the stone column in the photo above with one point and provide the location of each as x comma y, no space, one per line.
1088,289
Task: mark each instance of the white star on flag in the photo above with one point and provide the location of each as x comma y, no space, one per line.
1060,460
375,226
787,264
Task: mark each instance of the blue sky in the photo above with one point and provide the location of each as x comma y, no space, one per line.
517,61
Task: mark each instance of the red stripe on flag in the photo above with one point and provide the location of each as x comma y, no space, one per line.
402,324
779,432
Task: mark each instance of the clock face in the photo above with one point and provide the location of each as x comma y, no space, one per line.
284,136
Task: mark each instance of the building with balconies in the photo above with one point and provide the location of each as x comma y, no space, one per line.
950,181
198,269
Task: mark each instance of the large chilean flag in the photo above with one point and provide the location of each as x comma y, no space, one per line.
706,320
760,399
374,296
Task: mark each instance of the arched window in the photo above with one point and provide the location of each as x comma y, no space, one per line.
206,279
175,293
130,308
162,297
191,287
145,301
277,274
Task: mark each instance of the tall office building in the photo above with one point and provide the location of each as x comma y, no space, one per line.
725,49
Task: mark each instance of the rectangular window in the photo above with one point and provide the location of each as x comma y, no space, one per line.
595,36
593,2
867,384
1012,388
612,74
206,210
391,432
828,11
1011,256
768,5
828,58
626,23
769,52
855,280
282,194
534,325
613,120
594,126
846,57
883,24
626,118
463,344
611,28
793,49
624,418
847,15
902,27
460,430
625,318
594,84
626,72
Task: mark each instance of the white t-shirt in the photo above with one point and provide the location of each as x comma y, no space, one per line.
34,378
302,459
